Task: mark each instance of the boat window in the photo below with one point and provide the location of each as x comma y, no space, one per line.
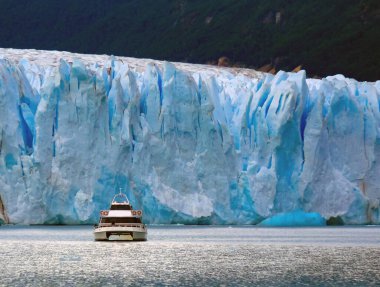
121,220
121,207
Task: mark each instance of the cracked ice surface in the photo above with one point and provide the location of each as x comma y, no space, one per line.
188,143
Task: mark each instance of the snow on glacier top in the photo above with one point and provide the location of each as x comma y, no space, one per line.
52,58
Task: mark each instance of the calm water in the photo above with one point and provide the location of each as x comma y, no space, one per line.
192,256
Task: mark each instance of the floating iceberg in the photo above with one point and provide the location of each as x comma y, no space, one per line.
294,218
188,143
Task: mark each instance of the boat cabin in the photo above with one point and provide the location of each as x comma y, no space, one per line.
121,213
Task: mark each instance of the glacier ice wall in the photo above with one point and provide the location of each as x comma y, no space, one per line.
188,144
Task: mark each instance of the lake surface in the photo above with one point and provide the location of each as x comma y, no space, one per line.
191,256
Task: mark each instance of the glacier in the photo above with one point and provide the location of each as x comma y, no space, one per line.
192,144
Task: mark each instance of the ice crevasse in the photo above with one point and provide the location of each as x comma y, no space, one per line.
188,143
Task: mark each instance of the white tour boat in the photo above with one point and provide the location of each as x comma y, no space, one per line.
120,222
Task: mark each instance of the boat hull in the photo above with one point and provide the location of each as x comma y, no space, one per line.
120,234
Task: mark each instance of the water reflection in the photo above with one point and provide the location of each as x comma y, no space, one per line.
192,256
